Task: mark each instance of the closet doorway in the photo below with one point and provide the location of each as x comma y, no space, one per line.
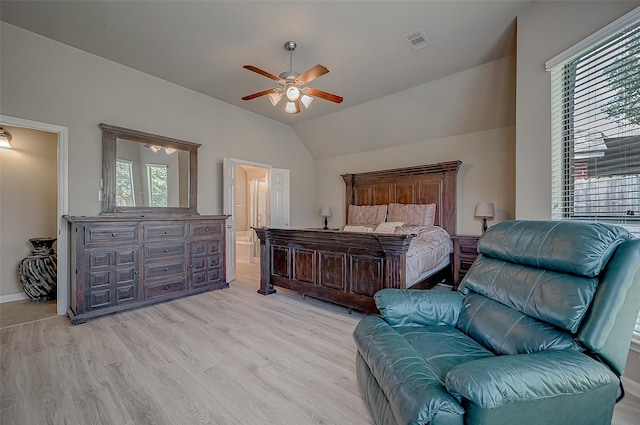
25,131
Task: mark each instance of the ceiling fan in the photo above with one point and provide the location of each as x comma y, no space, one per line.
293,85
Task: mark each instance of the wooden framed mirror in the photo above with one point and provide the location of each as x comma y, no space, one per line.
147,173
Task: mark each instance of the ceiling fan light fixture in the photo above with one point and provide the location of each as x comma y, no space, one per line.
290,108
293,85
306,100
5,138
155,148
170,151
293,93
275,98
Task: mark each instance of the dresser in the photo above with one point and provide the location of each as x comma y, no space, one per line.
465,251
122,263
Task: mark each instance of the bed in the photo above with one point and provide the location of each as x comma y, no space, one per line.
348,266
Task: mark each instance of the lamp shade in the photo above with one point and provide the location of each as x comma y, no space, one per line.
325,212
485,209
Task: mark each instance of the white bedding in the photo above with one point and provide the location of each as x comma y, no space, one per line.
428,252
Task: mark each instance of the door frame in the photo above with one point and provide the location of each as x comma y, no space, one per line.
231,210
62,298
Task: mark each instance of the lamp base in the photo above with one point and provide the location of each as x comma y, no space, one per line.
484,224
326,224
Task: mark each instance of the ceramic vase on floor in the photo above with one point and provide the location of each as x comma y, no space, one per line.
38,271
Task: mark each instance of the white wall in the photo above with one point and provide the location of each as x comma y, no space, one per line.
46,81
28,200
544,30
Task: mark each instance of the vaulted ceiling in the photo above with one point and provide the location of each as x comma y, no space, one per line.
202,45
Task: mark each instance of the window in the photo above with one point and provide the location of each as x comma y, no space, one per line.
595,128
124,184
158,190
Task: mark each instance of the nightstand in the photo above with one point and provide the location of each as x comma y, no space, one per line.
465,251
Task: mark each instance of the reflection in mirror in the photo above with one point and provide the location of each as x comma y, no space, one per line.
147,173
151,175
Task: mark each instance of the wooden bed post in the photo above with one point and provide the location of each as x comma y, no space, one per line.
395,250
266,287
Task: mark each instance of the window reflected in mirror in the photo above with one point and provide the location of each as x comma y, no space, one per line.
151,175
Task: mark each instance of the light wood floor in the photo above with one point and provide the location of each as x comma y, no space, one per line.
225,357
23,311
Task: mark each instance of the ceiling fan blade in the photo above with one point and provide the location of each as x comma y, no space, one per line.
312,73
297,102
324,95
261,72
260,93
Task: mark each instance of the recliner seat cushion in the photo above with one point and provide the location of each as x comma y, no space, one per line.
443,347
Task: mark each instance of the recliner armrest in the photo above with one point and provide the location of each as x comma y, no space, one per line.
496,381
406,307
414,392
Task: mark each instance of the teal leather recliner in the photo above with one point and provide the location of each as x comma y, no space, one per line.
538,333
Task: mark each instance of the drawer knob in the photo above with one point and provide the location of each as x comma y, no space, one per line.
206,229
165,232
166,269
166,250
113,235
166,288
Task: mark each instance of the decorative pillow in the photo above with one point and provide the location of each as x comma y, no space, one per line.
413,214
367,215
388,227
358,228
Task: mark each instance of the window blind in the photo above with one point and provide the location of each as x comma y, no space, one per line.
595,130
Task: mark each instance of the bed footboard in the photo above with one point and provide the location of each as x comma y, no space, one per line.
340,267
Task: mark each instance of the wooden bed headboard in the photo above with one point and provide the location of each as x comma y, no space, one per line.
423,184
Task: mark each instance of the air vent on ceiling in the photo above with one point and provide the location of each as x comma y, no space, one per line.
417,39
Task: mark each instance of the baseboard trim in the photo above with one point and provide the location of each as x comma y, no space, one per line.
631,387
13,297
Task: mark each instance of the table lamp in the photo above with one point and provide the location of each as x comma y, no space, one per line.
484,210
326,213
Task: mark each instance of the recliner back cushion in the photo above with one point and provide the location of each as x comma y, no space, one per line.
533,283
507,331
562,246
556,298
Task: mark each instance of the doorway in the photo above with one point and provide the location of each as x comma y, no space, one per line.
56,209
255,195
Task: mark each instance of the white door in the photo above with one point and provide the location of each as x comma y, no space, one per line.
279,198
228,206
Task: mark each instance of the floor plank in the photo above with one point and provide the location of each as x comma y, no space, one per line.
228,357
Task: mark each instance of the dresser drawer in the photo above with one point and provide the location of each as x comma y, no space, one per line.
468,247
206,229
206,247
164,268
99,233
164,231
165,287
164,249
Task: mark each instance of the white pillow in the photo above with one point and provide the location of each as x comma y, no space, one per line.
412,214
358,228
388,227
370,215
